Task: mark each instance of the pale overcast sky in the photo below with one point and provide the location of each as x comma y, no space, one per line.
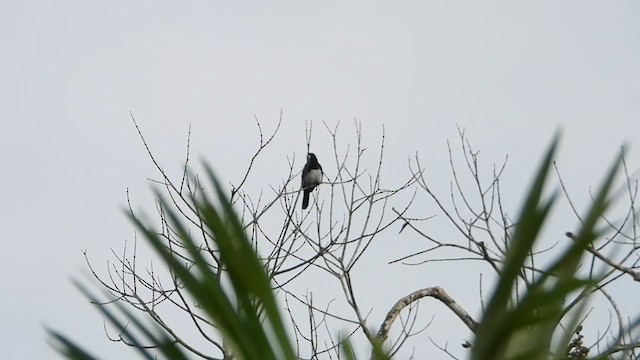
511,73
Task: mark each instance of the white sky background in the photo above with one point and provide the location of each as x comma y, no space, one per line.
511,74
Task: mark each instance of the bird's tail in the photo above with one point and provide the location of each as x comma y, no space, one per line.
305,199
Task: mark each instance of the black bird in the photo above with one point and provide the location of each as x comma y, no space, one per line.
311,177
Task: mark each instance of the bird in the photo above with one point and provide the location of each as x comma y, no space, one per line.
311,177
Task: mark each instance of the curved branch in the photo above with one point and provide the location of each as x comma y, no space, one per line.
435,292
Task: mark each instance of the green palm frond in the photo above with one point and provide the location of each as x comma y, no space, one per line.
233,308
525,329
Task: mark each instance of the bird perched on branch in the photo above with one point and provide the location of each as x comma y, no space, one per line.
311,177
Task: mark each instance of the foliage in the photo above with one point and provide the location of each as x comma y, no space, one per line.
237,298
526,330
245,312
